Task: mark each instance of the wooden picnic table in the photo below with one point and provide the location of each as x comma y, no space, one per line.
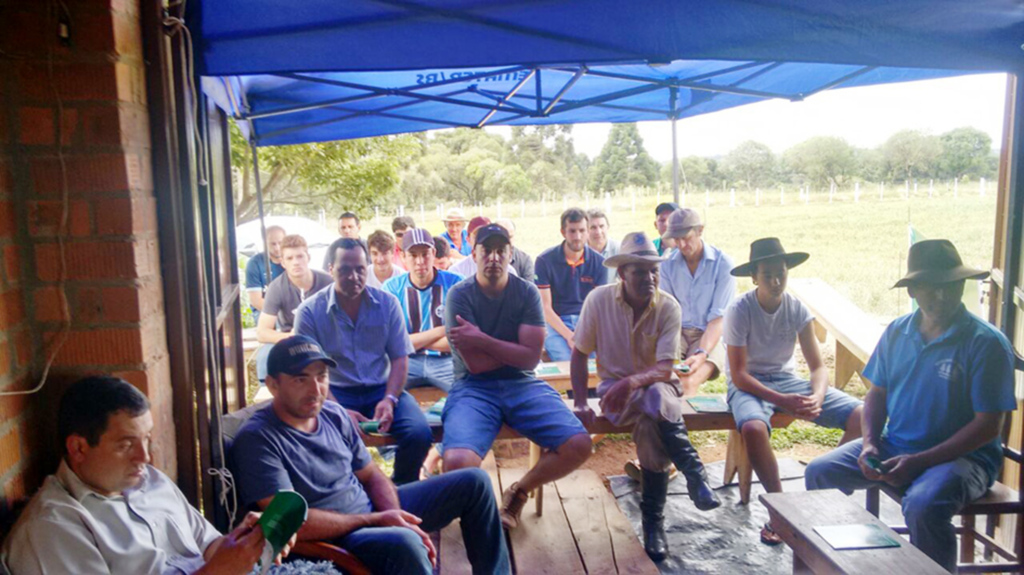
796,514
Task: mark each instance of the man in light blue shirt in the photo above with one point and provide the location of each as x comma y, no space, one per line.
363,331
942,385
697,275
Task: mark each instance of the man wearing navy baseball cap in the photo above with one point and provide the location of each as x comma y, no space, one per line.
302,442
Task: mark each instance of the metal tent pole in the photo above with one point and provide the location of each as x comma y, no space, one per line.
673,95
1014,217
259,204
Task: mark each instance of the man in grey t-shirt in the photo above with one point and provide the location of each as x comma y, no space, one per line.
495,324
761,328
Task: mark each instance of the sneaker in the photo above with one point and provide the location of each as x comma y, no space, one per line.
512,502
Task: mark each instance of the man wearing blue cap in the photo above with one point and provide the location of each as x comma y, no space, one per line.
302,442
362,329
942,384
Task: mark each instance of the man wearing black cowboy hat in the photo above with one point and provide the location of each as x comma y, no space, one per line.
761,328
942,385
634,328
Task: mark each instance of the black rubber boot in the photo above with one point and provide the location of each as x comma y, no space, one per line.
687,461
652,509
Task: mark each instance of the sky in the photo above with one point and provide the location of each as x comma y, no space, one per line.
865,117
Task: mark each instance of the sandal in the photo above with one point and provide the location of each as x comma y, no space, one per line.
769,536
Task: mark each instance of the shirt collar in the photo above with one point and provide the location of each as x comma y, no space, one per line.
332,296
79,490
583,258
961,319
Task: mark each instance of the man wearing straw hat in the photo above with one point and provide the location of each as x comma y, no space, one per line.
761,329
634,328
455,226
697,275
942,386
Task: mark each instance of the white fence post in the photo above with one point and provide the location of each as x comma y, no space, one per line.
522,209
956,187
856,192
632,197
732,197
981,187
782,195
499,207
607,203
376,216
757,196
931,188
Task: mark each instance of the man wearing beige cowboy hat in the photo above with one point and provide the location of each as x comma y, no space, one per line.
942,386
455,226
761,330
634,328
697,275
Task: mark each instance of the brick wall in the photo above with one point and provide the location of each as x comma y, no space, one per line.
113,284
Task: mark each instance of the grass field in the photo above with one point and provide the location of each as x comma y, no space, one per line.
860,248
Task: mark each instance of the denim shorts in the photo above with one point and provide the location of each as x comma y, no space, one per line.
835,409
476,410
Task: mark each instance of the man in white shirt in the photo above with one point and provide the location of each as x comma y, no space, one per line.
467,267
106,510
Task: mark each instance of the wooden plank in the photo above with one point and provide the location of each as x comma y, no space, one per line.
542,545
794,516
453,559
842,318
581,495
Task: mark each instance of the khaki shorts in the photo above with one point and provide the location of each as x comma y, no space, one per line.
689,343
660,401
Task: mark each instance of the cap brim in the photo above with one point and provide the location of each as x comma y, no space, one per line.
677,234
792,260
303,365
941,276
623,259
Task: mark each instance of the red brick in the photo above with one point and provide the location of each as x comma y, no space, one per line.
125,216
121,304
48,304
74,81
6,219
101,125
12,262
37,127
99,347
6,179
12,309
91,173
69,127
5,358
10,449
23,348
93,32
14,489
25,31
94,260
44,218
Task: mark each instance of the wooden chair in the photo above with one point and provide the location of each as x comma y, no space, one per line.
1000,500
316,550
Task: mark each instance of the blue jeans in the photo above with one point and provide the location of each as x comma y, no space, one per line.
409,427
929,502
556,346
464,494
262,353
427,370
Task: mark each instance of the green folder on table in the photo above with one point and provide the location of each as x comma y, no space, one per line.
857,536
547,368
708,404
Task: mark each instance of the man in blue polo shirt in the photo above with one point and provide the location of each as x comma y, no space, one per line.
304,443
942,384
566,274
455,232
422,292
363,331
697,275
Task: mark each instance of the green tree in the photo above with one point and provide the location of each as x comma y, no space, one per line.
623,161
965,152
822,160
306,178
751,164
910,154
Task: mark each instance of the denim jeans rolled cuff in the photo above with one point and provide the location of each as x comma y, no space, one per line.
409,427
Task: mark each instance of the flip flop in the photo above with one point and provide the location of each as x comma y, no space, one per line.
769,536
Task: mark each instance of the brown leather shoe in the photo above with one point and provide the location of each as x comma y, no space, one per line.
512,502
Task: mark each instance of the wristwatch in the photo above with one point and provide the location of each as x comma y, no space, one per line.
699,350
394,400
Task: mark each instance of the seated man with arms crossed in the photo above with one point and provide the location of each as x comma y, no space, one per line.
303,442
942,383
761,329
496,329
362,329
107,510
634,328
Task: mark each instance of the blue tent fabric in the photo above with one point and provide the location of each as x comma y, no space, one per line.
319,70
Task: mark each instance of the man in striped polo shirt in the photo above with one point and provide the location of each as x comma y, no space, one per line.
421,293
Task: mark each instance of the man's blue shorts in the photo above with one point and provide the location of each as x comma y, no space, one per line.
835,409
476,410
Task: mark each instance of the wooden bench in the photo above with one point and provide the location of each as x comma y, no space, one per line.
855,332
796,514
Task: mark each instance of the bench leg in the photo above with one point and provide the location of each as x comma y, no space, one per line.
799,567
820,331
538,494
967,539
738,463
871,500
846,365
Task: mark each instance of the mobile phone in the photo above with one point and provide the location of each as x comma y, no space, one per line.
875,463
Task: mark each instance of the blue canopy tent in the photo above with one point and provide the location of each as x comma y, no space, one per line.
318,70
